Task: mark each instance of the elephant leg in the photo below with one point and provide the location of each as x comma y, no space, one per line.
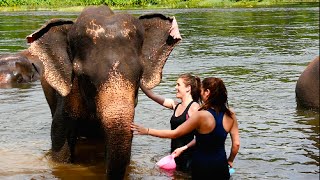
115,107
50,94
64,129
63,137
59,133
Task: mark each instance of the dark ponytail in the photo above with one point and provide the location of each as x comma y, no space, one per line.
218,97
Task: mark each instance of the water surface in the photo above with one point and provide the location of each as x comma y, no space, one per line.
258,52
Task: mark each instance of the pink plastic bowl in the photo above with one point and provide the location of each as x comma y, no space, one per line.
167,163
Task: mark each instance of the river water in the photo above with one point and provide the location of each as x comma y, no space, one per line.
258,52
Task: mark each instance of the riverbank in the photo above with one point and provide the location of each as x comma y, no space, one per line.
78,5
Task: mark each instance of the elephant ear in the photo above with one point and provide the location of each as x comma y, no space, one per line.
50,45
160,36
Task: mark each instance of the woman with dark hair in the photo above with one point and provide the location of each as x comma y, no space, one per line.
188,91
212,124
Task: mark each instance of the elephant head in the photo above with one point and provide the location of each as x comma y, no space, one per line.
307,87
93,68
16,68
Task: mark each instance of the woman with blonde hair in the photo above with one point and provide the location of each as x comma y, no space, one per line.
188,91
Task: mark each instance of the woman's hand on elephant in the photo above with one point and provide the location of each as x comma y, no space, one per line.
139,129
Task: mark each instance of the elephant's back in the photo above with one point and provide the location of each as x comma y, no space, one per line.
307,87
7,61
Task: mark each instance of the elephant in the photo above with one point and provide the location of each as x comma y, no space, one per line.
307,87
92,70
17,68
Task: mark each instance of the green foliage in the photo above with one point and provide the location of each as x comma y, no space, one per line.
133,3
139,3
125,3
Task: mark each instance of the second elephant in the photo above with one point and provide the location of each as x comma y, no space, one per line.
307,87
17,68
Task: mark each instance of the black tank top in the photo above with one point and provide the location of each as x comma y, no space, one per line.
177,121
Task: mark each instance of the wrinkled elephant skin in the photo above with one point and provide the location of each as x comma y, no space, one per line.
17,68
92,69
307,87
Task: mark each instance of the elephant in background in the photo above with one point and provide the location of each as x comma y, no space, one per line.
307,87
92,70
18,68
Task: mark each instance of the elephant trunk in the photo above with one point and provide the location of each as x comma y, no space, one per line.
118,151
115,107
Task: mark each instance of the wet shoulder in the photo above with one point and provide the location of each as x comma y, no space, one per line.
194,106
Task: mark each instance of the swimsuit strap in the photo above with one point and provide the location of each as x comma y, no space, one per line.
174,111
185,111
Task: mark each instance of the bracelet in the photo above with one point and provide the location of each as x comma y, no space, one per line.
148,132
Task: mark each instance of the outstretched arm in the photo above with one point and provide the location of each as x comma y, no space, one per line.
180,150
185,128
234,132
168,103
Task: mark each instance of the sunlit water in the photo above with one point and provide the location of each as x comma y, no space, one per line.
258,52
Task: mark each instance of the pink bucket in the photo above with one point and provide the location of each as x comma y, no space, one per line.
167,163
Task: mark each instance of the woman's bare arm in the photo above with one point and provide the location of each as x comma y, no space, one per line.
180,150
168,103
186,127
234,133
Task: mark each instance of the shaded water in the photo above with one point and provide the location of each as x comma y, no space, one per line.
258,52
